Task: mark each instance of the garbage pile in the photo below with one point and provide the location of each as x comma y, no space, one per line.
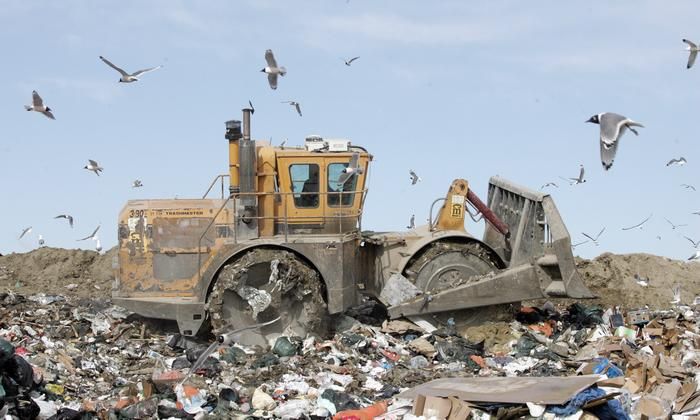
67,359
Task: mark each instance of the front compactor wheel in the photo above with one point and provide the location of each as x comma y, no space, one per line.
264,284
446,265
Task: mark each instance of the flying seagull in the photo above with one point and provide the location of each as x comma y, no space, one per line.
695,256
638,225
414,177
695,243
38,106
67,217
612,127
137,184
41,241
549,184
90,236
349,62
688,187
676,293
352,169
594,240
679,162
674,226
295,104
412,222
644,282
24,232
693,49
575,181
126,77
272,69
93,166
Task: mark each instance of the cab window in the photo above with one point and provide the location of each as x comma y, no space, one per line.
334,187
305,183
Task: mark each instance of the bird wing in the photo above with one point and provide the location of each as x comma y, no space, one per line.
610,127
669,222
587,236
354,161
70,220
600,233
24,232
690,43
61,216
109,63
298,108
272,79
49,114
140,72
695,244
672,161
353,59
252,108
580,174
36,99
607,154
270,58
93,163
92,235
691,58
344,177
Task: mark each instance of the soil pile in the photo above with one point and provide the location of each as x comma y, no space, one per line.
57,271
612,278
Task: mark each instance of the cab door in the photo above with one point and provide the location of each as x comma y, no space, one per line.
302,206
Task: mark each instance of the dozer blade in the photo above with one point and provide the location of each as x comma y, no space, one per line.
538,255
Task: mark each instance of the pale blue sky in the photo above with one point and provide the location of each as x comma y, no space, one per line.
451,89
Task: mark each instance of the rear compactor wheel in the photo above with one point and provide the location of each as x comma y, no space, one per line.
448,264
261,285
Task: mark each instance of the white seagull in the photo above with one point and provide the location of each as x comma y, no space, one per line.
295,104
674,226
414,177
90,236
412,222
349,62
272,69
688,187
352,169
38,106
678,162
126,77
638,225
612,127
581,177
696,244
693,49
644,282
93,167
136,184
594,240
67,217
549,184
24,232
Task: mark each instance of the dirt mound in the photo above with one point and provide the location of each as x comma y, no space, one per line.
611,278
50,270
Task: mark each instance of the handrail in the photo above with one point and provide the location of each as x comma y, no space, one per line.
222,176
204,232
285,217
430,215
